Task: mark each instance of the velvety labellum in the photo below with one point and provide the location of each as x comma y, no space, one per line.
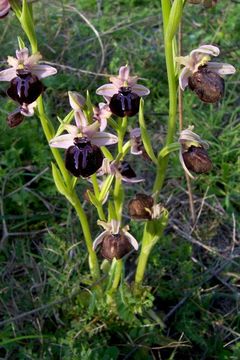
140,207
207,85
14,119
115,246
125,103
196,159
83,158
25,88
125,170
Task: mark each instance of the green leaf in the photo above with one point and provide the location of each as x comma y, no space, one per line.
68,118
105,187
93,199
59,182
15,7
28,26
174,19
145,137
166,150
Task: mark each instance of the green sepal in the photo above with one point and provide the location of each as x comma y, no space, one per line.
174,19
59,182
28,26
21,43
15,7
68,118
93,199
113,124
166,150
89,110
154,229
105,187
125,149
145,137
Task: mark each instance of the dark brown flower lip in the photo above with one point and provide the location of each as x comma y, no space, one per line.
115,246
207,85
197,160
140,207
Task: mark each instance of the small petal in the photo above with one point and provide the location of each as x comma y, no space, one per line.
33,60
99,239
104,138
43,71
76,100
140,90
91,130
8,74
183,78
12,61
136,132
221,68
62,141
107,90
206,49
131,239
28,109
72,129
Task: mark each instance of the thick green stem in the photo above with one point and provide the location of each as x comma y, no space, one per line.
117,275
93,262
49,133
172,87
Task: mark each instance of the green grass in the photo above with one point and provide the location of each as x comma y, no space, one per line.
47,309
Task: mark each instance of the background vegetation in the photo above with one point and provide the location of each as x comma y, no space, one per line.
189,310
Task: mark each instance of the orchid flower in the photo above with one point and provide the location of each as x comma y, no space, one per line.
123,93
121,170
83,156
142,207
24,76
193,153
115,242
16,117
203,76
4,8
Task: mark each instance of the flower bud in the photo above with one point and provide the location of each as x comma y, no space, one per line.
15,118
140,207
25,88
207,85
83,158
196,159
124,103
115,246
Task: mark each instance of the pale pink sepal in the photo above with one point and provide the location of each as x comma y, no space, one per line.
107,90
132,180
76,100
183,78
43,71
80,119
8,74
131,239
221,68
104,138
99,239
62,141
140,90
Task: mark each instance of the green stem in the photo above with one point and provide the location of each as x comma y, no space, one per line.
93,262
97,193
118,199
49,133
172,87
117,275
